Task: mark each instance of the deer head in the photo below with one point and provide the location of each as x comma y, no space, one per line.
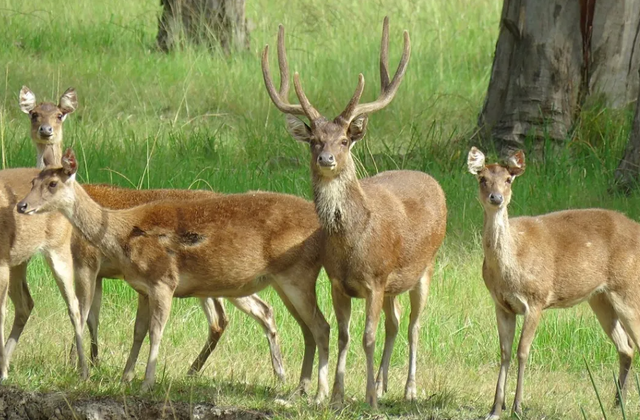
46,117
331,141
52,189
495,180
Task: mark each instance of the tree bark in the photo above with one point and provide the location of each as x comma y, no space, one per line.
551,57
627,175
215,23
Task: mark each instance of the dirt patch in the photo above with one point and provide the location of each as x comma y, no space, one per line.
17,405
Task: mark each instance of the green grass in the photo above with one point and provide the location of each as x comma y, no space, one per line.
197,120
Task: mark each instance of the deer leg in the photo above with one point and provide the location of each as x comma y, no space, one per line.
160,299
309,344
301,292
418,298
139,332
506,331
61,263
262,312
374,307
93,319
342,308
391,320
611,325
85,284
218,321
531,321
4,290
22,303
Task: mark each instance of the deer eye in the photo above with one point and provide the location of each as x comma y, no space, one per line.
345,142
53,184
34,116
509,180
483,181
60,116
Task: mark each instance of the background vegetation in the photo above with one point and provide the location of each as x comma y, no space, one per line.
193,119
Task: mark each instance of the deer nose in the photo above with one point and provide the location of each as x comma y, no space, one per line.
326,159
46,130
496,198
22,207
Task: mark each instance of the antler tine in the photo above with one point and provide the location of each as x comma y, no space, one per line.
279,99
389,89
384,55
347,115
309,110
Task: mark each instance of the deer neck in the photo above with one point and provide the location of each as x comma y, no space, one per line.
340,202
104,228
52,150
497,241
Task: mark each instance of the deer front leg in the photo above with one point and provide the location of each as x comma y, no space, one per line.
342,308
22,304
506,332
4,289
93,319
160,299
61,262
139,332
374,307
418,298
218,321
531,321
262,312
391,321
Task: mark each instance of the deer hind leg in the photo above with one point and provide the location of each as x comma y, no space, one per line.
612,326
262,312
309,344
506,331
301,294
140,329
418,297
531,321
342,309
391,320
160,300
217,318
61,263
22,303
85,289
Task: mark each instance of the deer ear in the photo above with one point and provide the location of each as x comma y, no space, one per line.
27,100
357,128
475,161
298,129
69,163
68,101
515,163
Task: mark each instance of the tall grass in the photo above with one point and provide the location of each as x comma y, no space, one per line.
192,119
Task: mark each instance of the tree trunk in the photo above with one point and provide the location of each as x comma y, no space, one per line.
627,175
553,55
215,23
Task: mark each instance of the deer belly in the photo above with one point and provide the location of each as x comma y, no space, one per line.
190,286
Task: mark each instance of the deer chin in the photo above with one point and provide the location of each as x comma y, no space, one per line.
327,171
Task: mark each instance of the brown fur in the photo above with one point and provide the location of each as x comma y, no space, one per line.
382,232
554,260
222,246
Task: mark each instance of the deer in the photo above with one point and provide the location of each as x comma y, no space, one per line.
227,245
90,268
382,232
554,260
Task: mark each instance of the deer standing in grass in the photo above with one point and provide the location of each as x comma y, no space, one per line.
91,267
226,245
555,260
382,232
23,237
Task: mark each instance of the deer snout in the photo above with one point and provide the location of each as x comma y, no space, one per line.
45,130
22,207
496,198
326,159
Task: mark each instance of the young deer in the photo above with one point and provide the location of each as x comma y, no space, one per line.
227,245
89,263
555,260
382,232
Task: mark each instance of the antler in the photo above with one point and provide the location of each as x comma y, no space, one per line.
280,98
387,89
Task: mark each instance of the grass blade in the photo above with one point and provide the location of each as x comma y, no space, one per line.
595,388
619,391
